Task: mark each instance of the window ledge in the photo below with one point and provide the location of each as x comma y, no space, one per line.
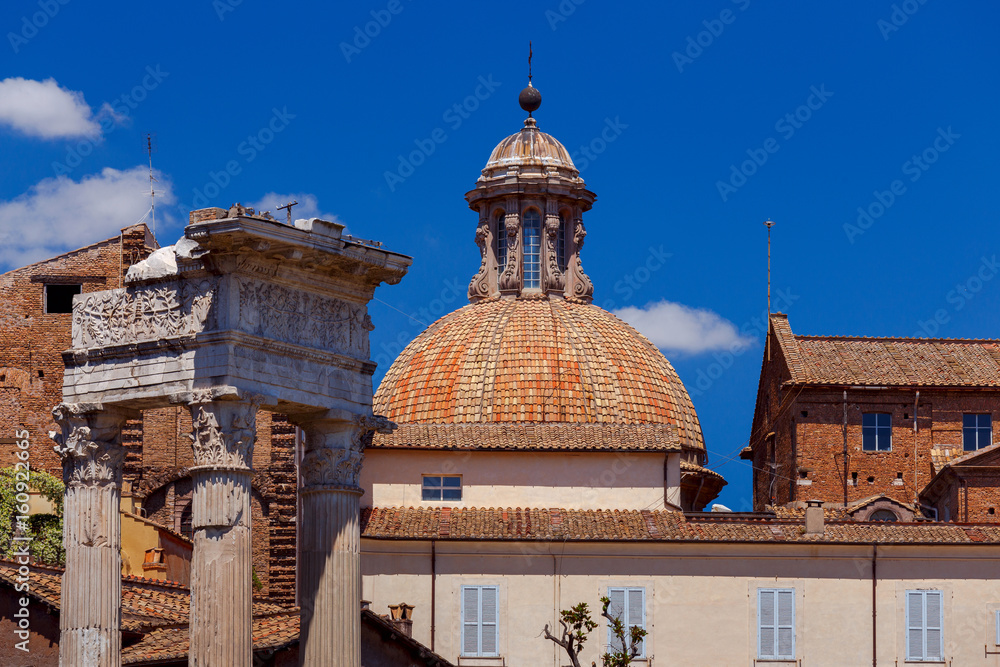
474,661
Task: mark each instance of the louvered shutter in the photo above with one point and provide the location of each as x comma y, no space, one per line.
470,620
616,610
488,615
914,625
635,598
932,626
785,626
766,623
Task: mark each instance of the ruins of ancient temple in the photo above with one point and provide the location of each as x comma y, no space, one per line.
243,314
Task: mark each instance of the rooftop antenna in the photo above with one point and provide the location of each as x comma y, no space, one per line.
288,206
150,146
769,223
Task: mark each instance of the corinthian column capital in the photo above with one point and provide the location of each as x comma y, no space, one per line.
224,431
89,443
334,449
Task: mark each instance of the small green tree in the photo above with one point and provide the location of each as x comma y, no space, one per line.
577,624
45,530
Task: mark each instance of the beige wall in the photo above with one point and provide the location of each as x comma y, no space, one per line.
701,599
587,480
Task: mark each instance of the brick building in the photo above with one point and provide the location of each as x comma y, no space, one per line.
868,423
36,318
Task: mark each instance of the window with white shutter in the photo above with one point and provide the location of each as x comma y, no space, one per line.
480,626
776,623
997,619
628,605
924,622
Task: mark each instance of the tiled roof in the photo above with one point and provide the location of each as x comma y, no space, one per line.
271,631
852,360
688,466
535,361
552,437
145,602
646,526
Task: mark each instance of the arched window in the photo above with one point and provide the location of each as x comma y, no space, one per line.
883,515
501,242
561,243
532,249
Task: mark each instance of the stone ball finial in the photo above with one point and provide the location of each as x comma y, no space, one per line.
530,99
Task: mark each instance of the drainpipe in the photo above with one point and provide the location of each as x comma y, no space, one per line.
433,591
916,400
874,613
846,467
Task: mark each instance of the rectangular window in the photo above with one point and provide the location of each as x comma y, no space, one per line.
776,623
629,606
442,487
876,432
480,634
977,432
997,619
59,298
924,642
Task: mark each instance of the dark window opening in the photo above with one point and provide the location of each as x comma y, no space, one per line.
805,413
871,480
977,432
438,487
59,298
186,529
991,510
854,478
803,474
41,373
876,432
899,475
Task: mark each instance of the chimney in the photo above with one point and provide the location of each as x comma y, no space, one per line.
814,517
401,616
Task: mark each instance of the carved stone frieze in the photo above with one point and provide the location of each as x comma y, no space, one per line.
554,278
479,287
303,318
224,432
143,313
583,288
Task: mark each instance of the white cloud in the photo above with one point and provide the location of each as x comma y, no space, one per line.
60,214
44,109
307,207
679,328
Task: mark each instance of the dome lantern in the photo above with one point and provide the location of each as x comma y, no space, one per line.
530,199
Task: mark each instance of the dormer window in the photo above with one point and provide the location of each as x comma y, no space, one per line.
501,243
532,249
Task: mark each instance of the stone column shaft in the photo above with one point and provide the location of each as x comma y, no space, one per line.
221,565
90,599
330,565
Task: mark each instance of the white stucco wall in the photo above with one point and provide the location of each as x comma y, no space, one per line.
568,480
701,599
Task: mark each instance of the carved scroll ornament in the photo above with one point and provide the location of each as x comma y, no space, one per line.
479,288
583,288
554,279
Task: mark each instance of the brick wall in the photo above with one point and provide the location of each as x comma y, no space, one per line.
32,341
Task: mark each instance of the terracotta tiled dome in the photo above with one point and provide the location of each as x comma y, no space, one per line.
533,361
530,147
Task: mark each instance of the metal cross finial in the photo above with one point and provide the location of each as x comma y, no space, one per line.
529,61
769,223
288,206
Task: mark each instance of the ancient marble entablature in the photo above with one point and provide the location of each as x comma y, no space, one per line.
242,302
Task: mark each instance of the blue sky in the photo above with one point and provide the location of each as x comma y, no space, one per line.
887,107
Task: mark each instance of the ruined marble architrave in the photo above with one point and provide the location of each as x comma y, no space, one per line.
246,314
